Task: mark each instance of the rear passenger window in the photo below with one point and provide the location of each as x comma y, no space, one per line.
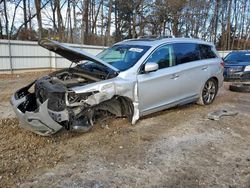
206,52
186,52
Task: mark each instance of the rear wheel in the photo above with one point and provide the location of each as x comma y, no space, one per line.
209,92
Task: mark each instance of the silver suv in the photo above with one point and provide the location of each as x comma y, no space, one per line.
131,79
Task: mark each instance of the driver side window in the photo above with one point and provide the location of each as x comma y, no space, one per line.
163,56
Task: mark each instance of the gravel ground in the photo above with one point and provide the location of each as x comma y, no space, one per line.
178,147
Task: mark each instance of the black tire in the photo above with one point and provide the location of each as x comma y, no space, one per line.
209,92
240,87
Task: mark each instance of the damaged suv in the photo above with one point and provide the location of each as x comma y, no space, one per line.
131,79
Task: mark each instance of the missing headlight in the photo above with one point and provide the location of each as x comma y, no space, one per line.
77,97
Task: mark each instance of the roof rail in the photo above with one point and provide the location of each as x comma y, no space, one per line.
129,39
166,36
147,37
187,36
156,37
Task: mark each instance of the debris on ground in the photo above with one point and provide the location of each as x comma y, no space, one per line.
240,87
216,115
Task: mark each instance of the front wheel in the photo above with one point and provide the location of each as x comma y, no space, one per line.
209,92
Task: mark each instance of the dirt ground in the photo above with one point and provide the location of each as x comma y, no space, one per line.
178,147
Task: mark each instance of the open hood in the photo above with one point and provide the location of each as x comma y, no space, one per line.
73,54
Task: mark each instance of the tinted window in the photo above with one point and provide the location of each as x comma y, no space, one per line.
206,52
186,52
238,57
163,56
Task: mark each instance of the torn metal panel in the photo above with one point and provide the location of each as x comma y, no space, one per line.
108,89
39,121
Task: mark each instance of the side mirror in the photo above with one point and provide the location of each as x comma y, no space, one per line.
150,67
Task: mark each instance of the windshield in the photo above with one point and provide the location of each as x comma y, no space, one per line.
123,57
238,57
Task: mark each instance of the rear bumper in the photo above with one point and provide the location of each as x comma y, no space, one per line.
38,121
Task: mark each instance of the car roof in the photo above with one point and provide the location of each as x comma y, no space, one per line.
159,41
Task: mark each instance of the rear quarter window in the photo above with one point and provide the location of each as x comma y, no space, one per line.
186,52
206,51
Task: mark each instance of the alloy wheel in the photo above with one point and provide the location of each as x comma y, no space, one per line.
209,91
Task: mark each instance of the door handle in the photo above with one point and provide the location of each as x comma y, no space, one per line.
175,76
204,68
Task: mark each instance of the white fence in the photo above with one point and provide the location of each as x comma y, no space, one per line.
20,55
223,53
23,55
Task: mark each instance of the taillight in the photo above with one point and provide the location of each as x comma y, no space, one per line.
222,64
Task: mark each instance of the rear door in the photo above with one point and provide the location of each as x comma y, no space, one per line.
192,68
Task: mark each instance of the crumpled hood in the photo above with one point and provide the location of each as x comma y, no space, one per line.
73,54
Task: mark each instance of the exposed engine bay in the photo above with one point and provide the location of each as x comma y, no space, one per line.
69,109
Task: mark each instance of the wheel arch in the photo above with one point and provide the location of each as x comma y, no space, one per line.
120,106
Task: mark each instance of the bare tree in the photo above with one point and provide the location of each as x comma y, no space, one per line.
59,20
96,16
107,42
25,15
224,22
39,17
6,18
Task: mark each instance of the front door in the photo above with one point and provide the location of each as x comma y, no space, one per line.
160,88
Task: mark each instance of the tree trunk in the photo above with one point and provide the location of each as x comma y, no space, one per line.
70,37
134,34
246,41
243,21
108,23
102,18
142,24
39,17
59,20
228,42
53,8
216,20
1,29
86,19
25,15
6,18
29,9
74,18
236,23
223,29
96,16
13,18
175,24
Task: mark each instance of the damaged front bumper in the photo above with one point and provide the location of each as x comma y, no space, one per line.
39,120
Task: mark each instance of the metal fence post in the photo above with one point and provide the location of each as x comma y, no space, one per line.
10,57
55,61
50,59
